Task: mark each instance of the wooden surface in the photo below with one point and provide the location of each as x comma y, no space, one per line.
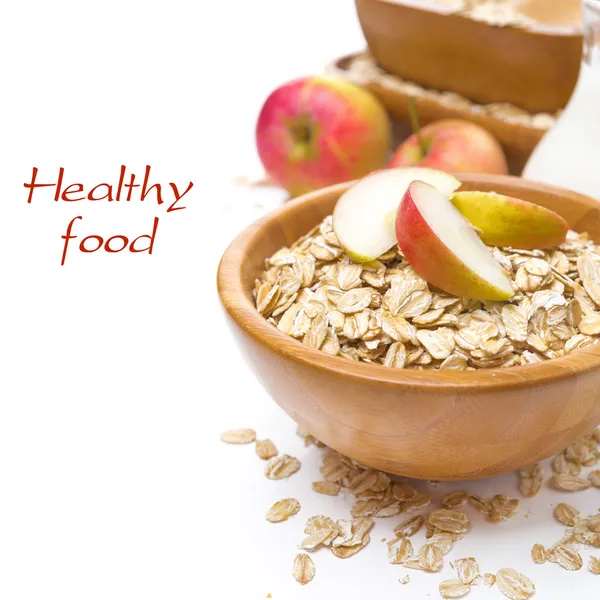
517,140
534,69
431,425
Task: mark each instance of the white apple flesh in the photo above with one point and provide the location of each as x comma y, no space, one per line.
365,215
443,248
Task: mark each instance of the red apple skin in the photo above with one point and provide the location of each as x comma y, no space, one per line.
454,146
348,134
433,260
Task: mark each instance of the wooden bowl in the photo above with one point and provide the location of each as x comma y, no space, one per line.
425,424
534,68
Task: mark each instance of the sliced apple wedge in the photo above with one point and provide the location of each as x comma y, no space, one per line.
505,221
443,248
364,216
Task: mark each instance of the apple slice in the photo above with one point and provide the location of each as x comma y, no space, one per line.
364,216
506,221
443,248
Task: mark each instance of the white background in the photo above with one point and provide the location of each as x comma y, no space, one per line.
117,375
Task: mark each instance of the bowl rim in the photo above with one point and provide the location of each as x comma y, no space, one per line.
239,306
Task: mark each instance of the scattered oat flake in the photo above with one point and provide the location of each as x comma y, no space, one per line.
489,579
389,510
304,569
404,580
362,482
399,550
403,491
538,554
348,551
594,565
281,467
514,585
467,569
569,483
431,557
483,506
410,527
531,480
454,588
562,466
413,563
320,530
565,556
593,523
283,510
594,478
443,541
238,436
359,529
566,514
265,449
503,508
316,539
455,500
328,488
421,500
365,508
451,521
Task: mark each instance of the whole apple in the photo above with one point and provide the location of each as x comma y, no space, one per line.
455,146
317,131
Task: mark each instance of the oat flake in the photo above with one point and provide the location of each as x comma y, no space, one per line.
566,556
283,510
531,480
304,569
514,585
348,551
454,588
399,550
467,569
410,527
538,554
569,483
566,514
431,557
328,488
455,500
282,467
238,436
266,449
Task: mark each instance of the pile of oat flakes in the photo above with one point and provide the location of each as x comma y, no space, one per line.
376,495
382,311
364,70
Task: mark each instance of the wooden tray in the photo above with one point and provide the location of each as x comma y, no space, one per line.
518,131
532,62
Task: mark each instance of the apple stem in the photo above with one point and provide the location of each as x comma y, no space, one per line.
416,126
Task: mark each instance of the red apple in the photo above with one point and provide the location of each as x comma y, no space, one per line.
455,146
443,248
317,131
